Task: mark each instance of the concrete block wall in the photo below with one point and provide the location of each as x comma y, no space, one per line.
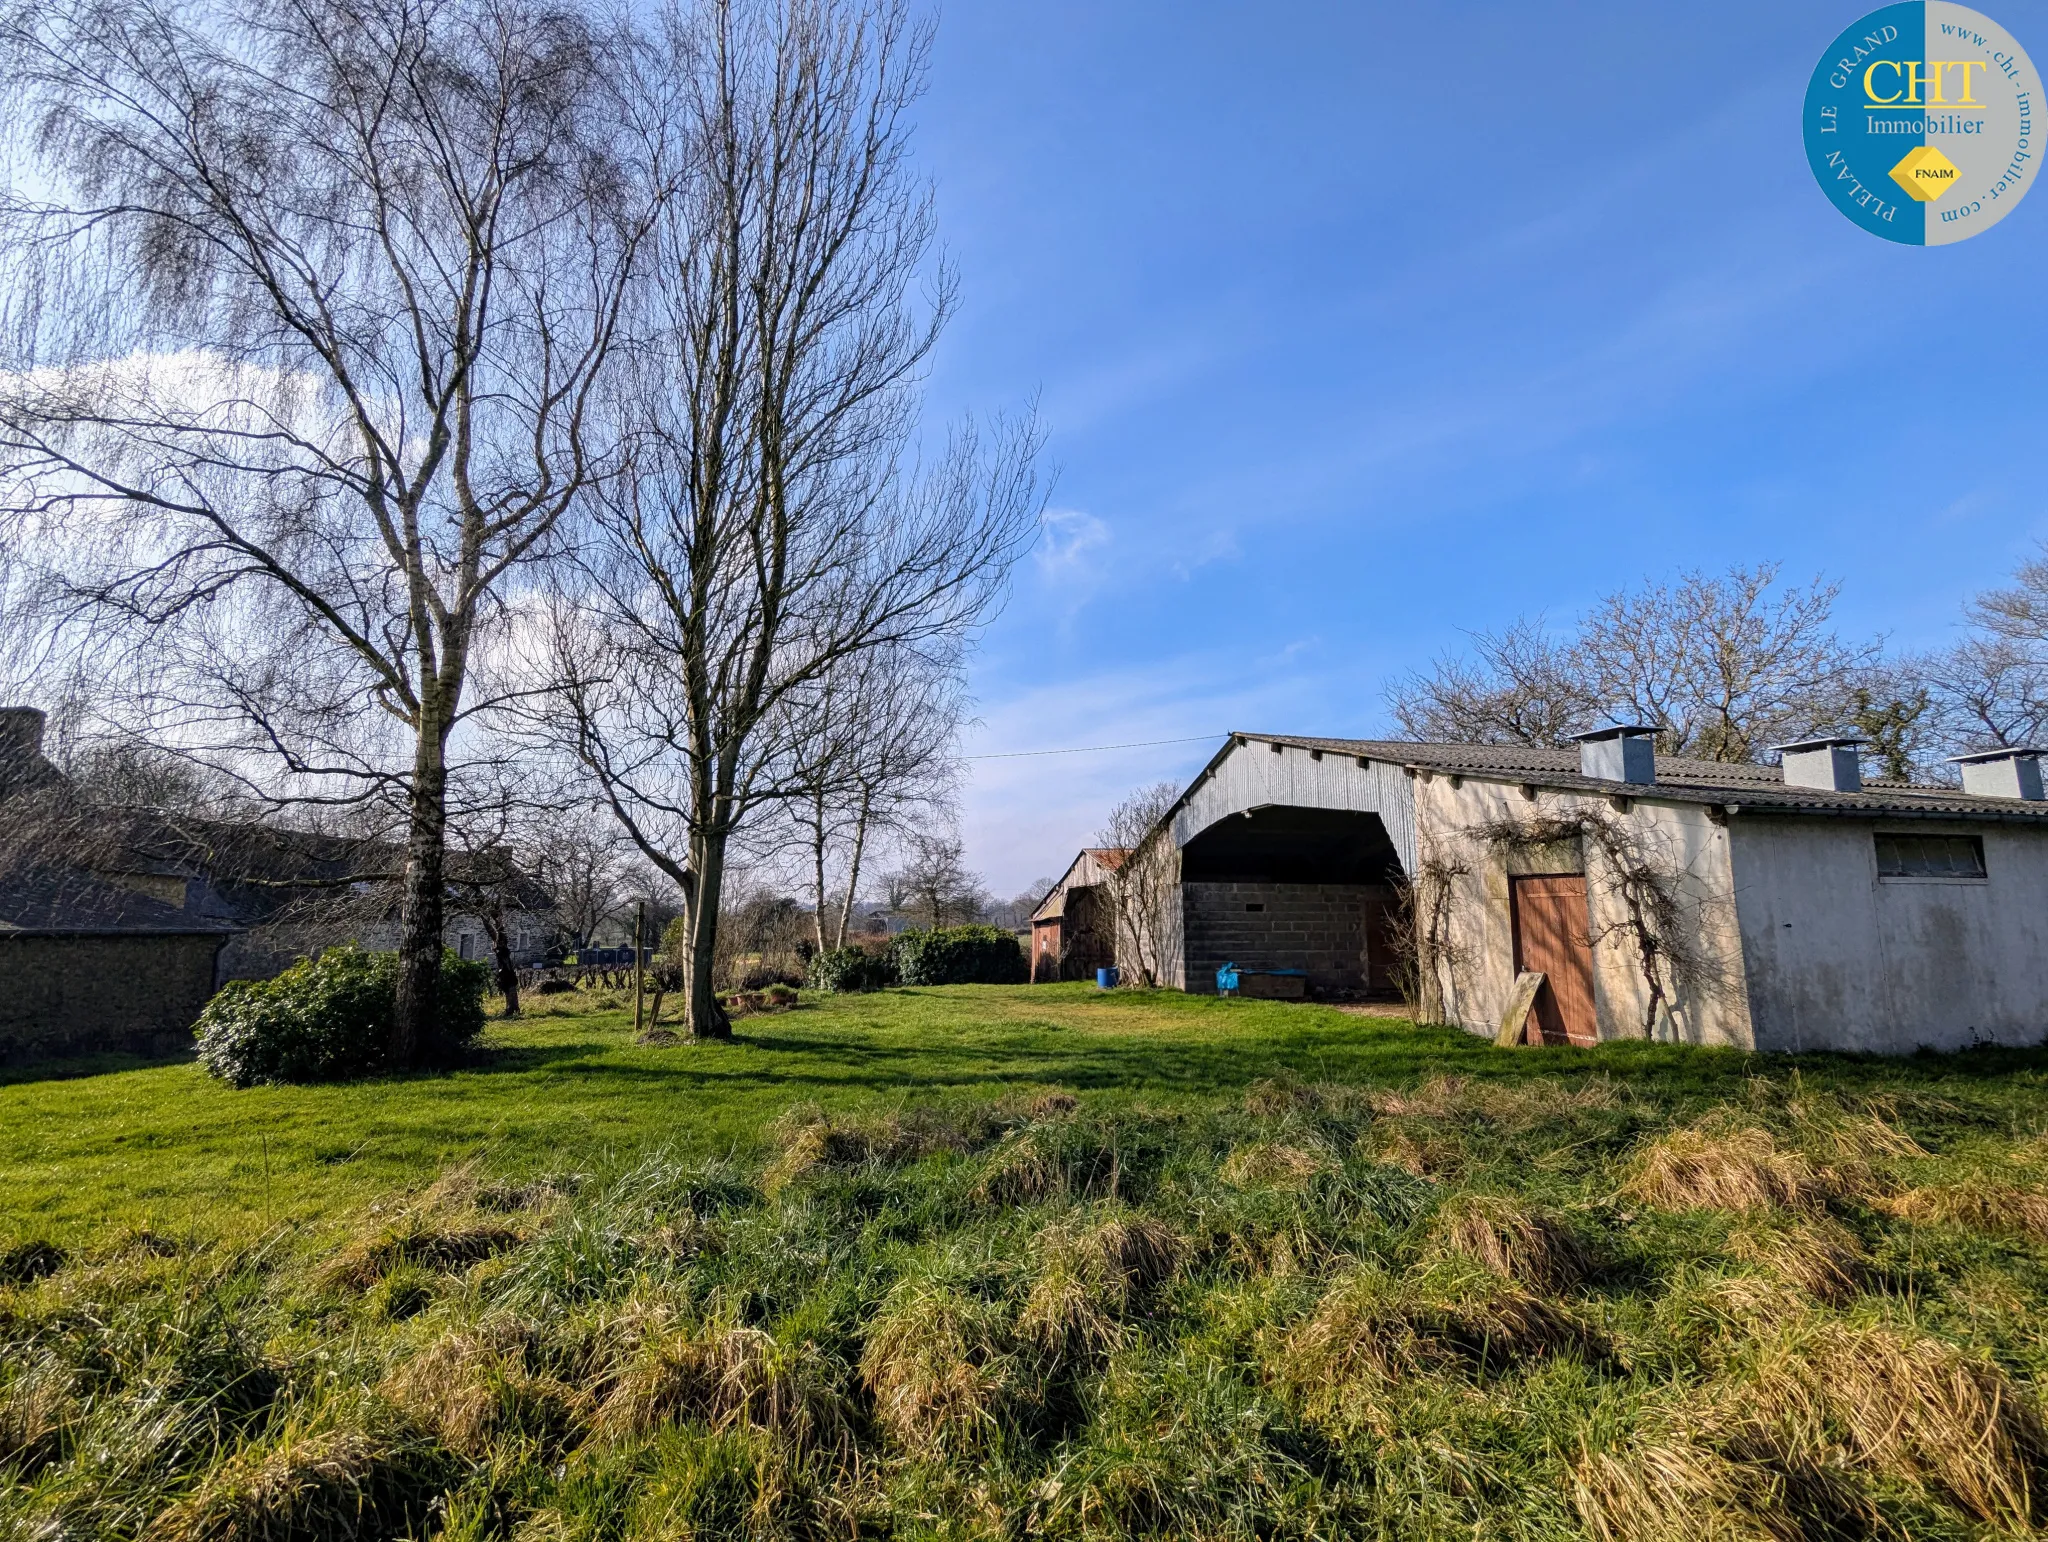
1318,927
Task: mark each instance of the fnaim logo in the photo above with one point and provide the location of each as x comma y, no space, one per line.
1920,122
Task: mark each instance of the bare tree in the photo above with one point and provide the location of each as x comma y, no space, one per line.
1144,881
300,366
489,885
1893,707
1016,911
1989,691
934,884
872,757
766,528
1518,686
1991,688
583,860
1726,663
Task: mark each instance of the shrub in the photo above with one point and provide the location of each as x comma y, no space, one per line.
329,1019
852,969
960,955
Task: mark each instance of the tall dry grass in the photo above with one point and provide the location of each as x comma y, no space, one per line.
1742,1170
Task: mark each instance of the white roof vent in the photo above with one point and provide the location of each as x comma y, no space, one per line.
1826,763
1619,752
2011,772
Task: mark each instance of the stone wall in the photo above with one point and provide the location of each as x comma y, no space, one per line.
1317,927
64,996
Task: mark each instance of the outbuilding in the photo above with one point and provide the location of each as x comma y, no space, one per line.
1073,930
90,966
1769,907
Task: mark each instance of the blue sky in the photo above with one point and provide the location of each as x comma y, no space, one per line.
1357,326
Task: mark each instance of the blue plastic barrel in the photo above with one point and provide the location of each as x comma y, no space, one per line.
1105,979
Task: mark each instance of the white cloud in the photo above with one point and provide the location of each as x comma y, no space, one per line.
1063,552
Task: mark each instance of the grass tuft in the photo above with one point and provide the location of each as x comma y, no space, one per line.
344,1482
1512,1238
1997,1209
1276,1165
808,1140
1428,1155
1047,1159
424,1241
1684,1488
40,1404
1091,1275
726,1376
1373,1334
1822,1257
942,1366
1440,1097
1742,1170
1910,1407
472,1388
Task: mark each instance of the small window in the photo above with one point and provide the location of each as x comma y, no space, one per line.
1930,856
1255,907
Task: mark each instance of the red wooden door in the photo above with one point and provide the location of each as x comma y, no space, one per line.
1553,933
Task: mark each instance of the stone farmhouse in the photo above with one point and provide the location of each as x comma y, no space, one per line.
1783,907
118,924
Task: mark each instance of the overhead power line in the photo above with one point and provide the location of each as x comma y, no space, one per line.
1091,749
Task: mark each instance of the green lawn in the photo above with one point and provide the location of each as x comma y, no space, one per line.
1031,1262
166,1146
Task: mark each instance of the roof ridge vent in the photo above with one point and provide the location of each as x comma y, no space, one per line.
1619,752
1825,762
2010,771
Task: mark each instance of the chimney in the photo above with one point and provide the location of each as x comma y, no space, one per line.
2012,772
1620,752
1829,763
21,736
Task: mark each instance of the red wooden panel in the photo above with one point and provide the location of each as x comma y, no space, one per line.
1553,933
1380,945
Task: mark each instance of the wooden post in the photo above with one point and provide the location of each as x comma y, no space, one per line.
1521,1001
639,931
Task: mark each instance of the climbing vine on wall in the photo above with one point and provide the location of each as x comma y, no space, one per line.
1427,953
1653,918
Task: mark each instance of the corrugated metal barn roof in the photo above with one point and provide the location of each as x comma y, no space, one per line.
1731,785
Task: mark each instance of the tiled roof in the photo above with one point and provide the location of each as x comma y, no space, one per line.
66,902
1732,785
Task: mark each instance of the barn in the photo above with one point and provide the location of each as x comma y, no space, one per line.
1780,907
1073,930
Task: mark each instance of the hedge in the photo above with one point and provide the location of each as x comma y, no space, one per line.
961,955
